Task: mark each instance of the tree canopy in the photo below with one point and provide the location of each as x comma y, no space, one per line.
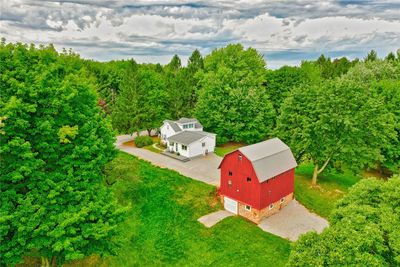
54,146
364,230
232,100
339,124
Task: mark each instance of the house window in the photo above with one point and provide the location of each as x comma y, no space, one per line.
203,144
171,144
271,206
282,200
167,127
240,157
247,207
230,173
184,147
248,179
230,183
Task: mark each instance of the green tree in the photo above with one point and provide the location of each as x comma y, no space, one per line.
54,147
371,56
338,124
382,77
280,82
364,230
232,99
142,103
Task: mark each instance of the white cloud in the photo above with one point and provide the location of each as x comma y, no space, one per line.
285,31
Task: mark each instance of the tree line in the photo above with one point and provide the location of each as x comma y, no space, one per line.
340,113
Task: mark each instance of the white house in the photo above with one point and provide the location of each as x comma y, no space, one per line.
186,137
170,127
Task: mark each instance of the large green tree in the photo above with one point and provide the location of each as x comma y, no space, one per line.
383,79
232,98
142,102
54,146
339,124
364,230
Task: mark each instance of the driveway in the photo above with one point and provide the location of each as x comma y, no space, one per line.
293,221
203,169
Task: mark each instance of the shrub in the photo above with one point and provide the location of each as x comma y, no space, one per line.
142,141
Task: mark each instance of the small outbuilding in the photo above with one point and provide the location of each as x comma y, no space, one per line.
258,180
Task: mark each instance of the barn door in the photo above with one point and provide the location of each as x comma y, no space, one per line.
231,205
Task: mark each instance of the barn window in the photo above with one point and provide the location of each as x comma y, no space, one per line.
247,207
240,157
271,206
248,179
230,173
230,183
282,200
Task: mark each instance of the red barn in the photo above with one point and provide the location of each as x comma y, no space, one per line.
258,180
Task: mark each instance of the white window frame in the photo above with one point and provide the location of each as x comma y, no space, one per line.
247,207
271,206
240,157
183,147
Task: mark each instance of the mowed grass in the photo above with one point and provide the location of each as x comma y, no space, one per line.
162,228
330,188
226,148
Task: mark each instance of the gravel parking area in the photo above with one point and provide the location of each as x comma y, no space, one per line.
293,221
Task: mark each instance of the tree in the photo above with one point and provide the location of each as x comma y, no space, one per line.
371,56
390,57
382,77
232,99
175,64
280,82
195,62
363,230
142,103
54,147
338,124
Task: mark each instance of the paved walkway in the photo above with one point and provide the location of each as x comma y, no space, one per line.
292,221
211,219
203,169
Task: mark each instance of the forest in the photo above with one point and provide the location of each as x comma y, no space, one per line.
60,113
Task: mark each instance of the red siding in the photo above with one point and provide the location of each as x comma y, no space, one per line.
252,193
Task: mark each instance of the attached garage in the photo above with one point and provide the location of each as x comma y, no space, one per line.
231,205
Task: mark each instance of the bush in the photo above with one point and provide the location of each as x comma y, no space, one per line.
142,141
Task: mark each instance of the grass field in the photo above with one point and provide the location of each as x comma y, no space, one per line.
227,148
331,187
162,227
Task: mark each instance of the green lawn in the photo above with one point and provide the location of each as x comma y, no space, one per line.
162,227
152,149
330,188
227,148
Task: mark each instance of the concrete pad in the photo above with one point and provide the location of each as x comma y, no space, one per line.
293,221
211,219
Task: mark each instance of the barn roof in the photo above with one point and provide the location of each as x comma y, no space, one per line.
269,158
187,137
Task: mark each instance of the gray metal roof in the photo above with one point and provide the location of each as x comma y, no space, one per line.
269,158
186,137
174,126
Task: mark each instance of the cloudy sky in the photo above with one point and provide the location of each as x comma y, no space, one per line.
285,32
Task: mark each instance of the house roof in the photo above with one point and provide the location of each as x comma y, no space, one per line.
269,158
187,120
187,137
174,126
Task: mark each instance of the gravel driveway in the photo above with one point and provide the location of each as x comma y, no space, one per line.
293,221
202,168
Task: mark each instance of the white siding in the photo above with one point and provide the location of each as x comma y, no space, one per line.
197,148
166,131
